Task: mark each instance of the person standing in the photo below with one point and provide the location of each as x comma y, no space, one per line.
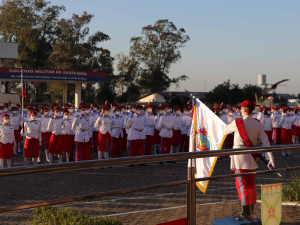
148,129
246,132
184,130
117,133
15,122
7,141
33,139
136,136
72,117
229,138
266,121
296,128
156,137
81,127
124,114
176,139
276,134
91,125
286,123
104,125
56,126
166,125
46,135
67,137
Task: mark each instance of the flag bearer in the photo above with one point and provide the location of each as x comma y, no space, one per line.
81,127
46,135
104,125
117,133
7,141
149,129
166,125
136,136
246,132
32,132
176,139
15,121
56,126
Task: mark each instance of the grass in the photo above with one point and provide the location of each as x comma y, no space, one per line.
47,215
291,189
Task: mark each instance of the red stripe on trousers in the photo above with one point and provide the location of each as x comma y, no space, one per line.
148,144
246,190
137,147
165,144
117,144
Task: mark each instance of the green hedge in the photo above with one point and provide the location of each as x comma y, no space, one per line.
53,216
291,190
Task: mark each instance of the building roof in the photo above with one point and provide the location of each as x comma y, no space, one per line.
286,96
176,93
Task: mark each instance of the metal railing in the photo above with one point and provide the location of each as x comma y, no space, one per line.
190,182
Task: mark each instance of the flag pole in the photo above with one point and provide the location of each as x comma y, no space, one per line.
22,107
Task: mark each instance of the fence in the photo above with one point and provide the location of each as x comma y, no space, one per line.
190,182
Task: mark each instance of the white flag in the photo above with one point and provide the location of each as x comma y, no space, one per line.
206,135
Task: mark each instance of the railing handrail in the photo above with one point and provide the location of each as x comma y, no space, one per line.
140,160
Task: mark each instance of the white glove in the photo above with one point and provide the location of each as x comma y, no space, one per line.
272,161
22,134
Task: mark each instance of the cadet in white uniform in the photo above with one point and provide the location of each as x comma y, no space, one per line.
286,122
46,135
15,122
7,141
296,125
104,125
249,130
184,130
67,137
136,136
72,116
156,137
166,125
176,139
148,130
56,126
32,132
117,133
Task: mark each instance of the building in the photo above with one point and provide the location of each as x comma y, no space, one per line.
169,97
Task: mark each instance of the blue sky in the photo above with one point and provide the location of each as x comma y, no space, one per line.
230,39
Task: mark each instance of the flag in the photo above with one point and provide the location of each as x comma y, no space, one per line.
206,135
24,95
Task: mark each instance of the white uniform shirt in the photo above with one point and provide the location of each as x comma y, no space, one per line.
286,122
67,126
267,123
81,127
116,126
128,115
166,123
135,125
223,117
177,122
104,124
254,115
254,130
156,121
15,121
32,129
188,125
296,120
276,117
229,119
184,128
149,124
260,116
72,117
56,126
44,123
7,134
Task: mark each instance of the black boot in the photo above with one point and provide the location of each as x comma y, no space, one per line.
244,216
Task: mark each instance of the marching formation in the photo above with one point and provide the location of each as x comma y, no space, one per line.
106,129
281,124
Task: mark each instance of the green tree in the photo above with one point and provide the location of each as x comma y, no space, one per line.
157,49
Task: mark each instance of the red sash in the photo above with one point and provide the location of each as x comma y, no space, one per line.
240,126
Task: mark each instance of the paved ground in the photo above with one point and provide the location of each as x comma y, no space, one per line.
147,207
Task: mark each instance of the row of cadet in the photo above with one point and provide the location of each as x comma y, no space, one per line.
107,129
281,124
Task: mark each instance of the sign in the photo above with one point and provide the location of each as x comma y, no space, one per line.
51,75
8,50
176,222
271,207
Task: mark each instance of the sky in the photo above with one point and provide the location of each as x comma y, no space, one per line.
230,39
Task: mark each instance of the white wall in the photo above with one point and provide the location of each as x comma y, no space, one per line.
153,98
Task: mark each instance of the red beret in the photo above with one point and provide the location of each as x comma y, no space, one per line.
30,108
94,104
133,105
45,108
5,115
37,110
18,105
167,106
139,107
106,107
230,110
1,107
285,108
14,108
176,108
114,104
148,106
118,107
247,103
81,103
81,106
32,112
65,110
56,108
5,104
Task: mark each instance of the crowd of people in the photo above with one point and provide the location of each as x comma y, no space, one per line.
110,129
106,129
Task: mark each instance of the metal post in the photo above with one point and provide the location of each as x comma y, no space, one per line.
191,197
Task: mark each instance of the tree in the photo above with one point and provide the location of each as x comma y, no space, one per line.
157,49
